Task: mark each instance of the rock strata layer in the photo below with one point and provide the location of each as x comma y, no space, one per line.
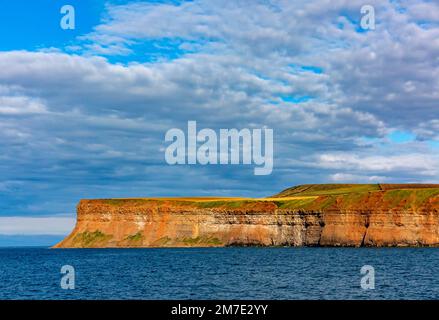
310,215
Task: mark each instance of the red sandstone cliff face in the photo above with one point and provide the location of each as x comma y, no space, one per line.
379,218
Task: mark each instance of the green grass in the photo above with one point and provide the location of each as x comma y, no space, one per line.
352,199
405,198
294,204
87,238
327,189
134,237
327,202
410,197
200,240
312,196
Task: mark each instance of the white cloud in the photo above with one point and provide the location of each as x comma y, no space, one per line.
420,163
425,11
353,178
16,105
80,125
36,225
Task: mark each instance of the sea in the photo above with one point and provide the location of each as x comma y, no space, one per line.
219,273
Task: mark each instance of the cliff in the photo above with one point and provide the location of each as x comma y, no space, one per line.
307,215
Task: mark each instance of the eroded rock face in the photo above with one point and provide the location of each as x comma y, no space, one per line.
371,218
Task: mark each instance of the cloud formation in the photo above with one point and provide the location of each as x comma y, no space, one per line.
88,120
36,225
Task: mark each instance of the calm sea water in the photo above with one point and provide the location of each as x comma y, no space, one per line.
219,273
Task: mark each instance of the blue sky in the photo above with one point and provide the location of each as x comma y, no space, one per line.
83,112
33,25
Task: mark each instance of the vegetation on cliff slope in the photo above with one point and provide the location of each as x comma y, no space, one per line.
90,239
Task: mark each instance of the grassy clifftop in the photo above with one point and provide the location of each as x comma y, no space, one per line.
327,189
333,189
359,196
310,197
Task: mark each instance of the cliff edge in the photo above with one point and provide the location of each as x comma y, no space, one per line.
375,215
